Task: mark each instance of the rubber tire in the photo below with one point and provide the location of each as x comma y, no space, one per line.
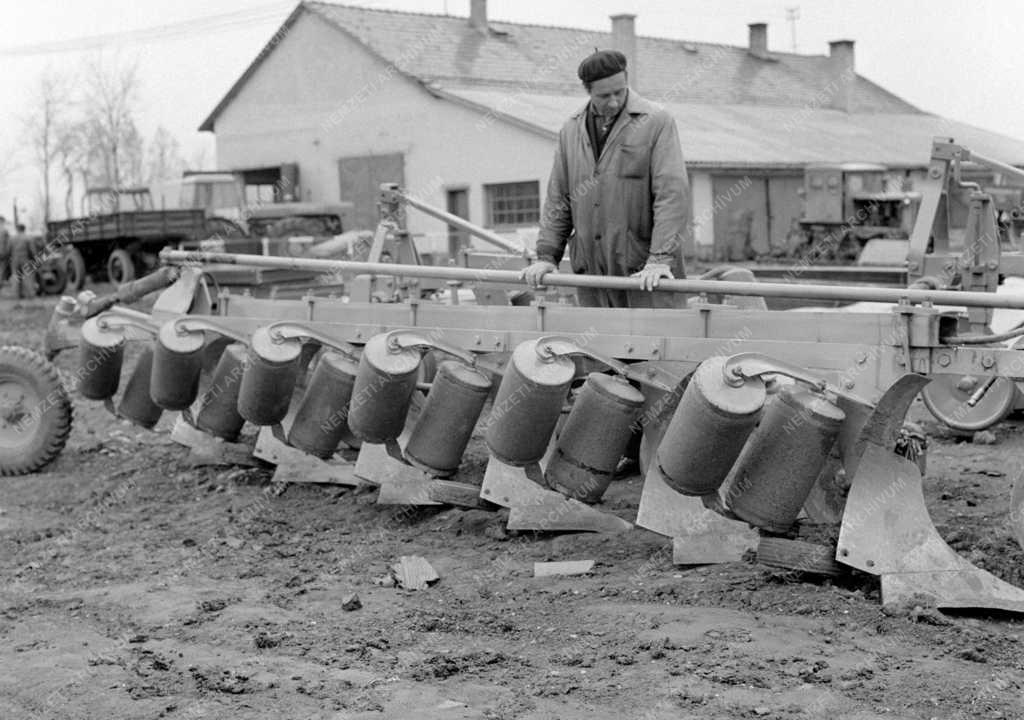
75,269
56,279
798,555
123,259
32,370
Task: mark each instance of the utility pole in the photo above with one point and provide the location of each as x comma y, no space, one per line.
792,15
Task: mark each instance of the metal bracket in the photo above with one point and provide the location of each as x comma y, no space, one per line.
398,340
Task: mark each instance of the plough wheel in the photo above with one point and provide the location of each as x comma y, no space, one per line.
35,411
969,403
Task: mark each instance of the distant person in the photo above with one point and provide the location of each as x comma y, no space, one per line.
5,251
618,194
23,269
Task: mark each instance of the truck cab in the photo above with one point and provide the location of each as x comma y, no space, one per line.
846,205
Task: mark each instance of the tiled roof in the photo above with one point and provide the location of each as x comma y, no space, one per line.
444,49
747,135
732,108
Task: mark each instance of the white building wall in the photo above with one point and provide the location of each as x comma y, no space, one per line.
321,96
703,214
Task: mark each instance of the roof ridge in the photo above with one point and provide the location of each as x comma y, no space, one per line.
517,23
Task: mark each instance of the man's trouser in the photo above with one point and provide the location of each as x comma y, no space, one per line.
25,279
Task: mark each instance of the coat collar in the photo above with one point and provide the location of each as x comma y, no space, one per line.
635,105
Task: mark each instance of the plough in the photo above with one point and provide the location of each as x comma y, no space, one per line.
746,419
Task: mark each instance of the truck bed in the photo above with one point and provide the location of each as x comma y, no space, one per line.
175,225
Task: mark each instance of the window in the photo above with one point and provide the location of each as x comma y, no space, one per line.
513,204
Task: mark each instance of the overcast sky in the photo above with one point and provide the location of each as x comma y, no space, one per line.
956,59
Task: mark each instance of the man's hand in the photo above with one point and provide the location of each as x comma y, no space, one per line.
535,273
652,273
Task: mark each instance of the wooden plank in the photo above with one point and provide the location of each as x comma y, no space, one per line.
562,567
413,572
460,494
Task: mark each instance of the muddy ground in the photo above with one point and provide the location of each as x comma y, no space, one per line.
135,586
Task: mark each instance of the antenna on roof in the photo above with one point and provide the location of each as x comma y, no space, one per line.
792,15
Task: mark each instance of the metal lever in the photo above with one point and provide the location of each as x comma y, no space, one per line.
413,340
744,366
285,330
552,346
187,325
113,321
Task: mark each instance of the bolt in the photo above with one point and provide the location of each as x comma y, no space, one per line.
477,340
992,265
861,357
945,360
948,267
629,348
987,361
849,384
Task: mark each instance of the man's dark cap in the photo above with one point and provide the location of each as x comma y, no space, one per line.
601,64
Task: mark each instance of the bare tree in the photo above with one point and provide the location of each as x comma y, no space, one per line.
110,94
48,118
164,161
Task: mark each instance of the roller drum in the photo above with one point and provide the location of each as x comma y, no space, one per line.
218,408
594,438
136,404
527,406
177,363
775,472
321,420
100,357
383,390
268,381
449,415
708,429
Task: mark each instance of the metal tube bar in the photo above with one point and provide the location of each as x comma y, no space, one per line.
997,165
953,298
463,224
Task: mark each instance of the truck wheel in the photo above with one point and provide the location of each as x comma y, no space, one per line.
35,411
120,267
75,265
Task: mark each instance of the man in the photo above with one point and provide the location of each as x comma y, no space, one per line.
23,271
618,194
5,251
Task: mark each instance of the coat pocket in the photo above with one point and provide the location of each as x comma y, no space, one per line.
634,161
636,253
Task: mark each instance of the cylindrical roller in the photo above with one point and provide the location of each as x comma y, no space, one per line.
177,362
136,404
783,457
655,415
446,422
100,355
384,386
218,408
708,429
321,420
268,380
595,435
527,405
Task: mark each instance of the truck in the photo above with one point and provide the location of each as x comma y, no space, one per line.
119,233
846,205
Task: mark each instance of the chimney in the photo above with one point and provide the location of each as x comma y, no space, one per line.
842,74
758,39
624,40
478,15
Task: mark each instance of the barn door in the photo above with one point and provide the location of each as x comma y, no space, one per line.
360,178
